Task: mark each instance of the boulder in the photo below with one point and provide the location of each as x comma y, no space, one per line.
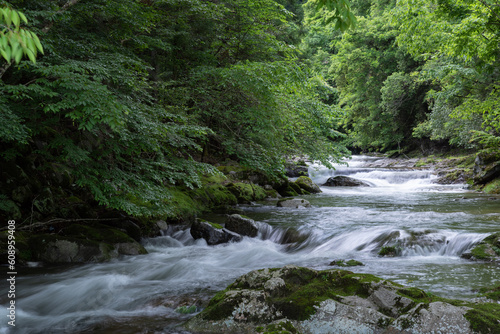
487,250
437,317
51,248
296,170
241,225
307,184
293,203
486,167
213,234
300,300
246,192
345,181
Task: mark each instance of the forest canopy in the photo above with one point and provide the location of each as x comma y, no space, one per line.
129,99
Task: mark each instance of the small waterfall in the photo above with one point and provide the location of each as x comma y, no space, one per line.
405,243
357,169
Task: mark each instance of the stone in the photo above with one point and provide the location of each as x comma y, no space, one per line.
300,300
334,317
162,225
241,225
212,233
293,170
293,203
307,184
486,167
388,300
345,181
437,317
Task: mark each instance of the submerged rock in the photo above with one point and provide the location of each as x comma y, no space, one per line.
345,181
293,203
212,233
344,263
241,225
301,300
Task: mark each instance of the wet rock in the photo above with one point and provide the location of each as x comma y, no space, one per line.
307,184
335,317
344,263
302,300
241,225
486,167
435,317
389,301
488,249
293,203
246,192
213,234
161,225
296,169
59,249
345,181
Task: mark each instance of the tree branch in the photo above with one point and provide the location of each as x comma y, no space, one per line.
62,9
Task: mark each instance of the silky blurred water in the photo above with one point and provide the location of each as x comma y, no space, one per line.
431,225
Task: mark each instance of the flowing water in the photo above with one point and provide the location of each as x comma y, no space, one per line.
430,225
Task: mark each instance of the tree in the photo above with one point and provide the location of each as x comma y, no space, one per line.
16,42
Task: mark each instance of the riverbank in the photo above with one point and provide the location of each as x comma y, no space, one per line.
94,234
429,226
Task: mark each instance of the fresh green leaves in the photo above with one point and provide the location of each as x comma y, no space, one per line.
338,11
16,42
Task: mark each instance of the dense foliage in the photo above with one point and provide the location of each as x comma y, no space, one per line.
131,98
412,72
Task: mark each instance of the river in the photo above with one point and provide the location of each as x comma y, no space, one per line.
431,225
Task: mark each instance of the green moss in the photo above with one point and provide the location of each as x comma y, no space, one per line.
258,192
491,293
388,251
213,196
306,184
242,191
186,309
479,252
492,187
349,263
484,318
307,288
214,225
272,193
219,307
284,327
246,192
414,294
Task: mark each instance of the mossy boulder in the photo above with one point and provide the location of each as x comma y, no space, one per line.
293,203
344,263
345,181
296,169
80,243
305,183
246,192
307,301
487,250
487,167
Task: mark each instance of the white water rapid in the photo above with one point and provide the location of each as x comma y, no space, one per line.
429,225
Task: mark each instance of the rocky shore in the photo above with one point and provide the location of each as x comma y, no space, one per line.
300,300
